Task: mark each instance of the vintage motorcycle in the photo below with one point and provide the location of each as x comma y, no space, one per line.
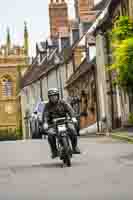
63,142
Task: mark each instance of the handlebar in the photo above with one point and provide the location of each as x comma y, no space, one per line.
62,120
59,119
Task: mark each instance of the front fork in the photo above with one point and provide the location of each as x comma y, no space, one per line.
61,147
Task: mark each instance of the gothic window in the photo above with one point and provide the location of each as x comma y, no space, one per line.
7,86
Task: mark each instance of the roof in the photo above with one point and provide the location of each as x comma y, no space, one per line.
30,76
36,71
80,71
100,19
106,13
100,5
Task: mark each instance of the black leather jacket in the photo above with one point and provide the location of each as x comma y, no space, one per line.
60,109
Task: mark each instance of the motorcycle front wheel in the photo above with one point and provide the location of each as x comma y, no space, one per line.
67,156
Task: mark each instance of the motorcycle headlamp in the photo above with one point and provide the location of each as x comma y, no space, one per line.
62,128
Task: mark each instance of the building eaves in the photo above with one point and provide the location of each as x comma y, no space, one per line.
98,9
38,74
104,15
80,71
76,44
100,6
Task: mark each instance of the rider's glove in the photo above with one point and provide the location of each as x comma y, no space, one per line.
74,120
45,126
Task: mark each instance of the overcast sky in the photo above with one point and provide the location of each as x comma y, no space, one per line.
13,13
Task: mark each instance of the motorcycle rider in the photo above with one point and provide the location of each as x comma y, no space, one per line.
57,108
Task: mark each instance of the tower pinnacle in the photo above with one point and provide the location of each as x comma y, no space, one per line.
8,40
26,38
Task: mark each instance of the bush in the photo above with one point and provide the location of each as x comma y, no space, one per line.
124,63
6,135
123,29
130,119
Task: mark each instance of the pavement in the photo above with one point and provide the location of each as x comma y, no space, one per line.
123,134
90,130
102,171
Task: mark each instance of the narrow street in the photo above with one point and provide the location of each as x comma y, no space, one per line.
102,171
66,66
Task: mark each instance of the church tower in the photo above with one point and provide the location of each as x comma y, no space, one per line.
13,63
58,16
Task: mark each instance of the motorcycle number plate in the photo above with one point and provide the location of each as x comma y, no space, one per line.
61,128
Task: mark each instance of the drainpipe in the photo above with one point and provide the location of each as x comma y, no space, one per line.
97,106
110,79
41,90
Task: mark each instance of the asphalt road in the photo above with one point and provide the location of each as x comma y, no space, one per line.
104,171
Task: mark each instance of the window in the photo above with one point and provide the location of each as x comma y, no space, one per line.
6,86
93,93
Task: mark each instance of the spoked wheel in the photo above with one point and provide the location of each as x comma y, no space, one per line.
67,155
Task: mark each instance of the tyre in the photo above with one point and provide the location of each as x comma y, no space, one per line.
67,156
67,161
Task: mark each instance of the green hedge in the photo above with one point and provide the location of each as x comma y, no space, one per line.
130,118
6,135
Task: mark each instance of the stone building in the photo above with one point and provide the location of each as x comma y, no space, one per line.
46,71
81,81
112,100
81,84
13,63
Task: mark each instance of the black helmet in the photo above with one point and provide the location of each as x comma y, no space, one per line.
53,91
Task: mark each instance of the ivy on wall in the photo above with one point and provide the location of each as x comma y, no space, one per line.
122,43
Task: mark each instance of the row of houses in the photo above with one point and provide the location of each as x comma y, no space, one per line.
79,71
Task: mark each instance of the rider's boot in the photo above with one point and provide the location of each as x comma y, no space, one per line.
53,147
76,150
74,141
